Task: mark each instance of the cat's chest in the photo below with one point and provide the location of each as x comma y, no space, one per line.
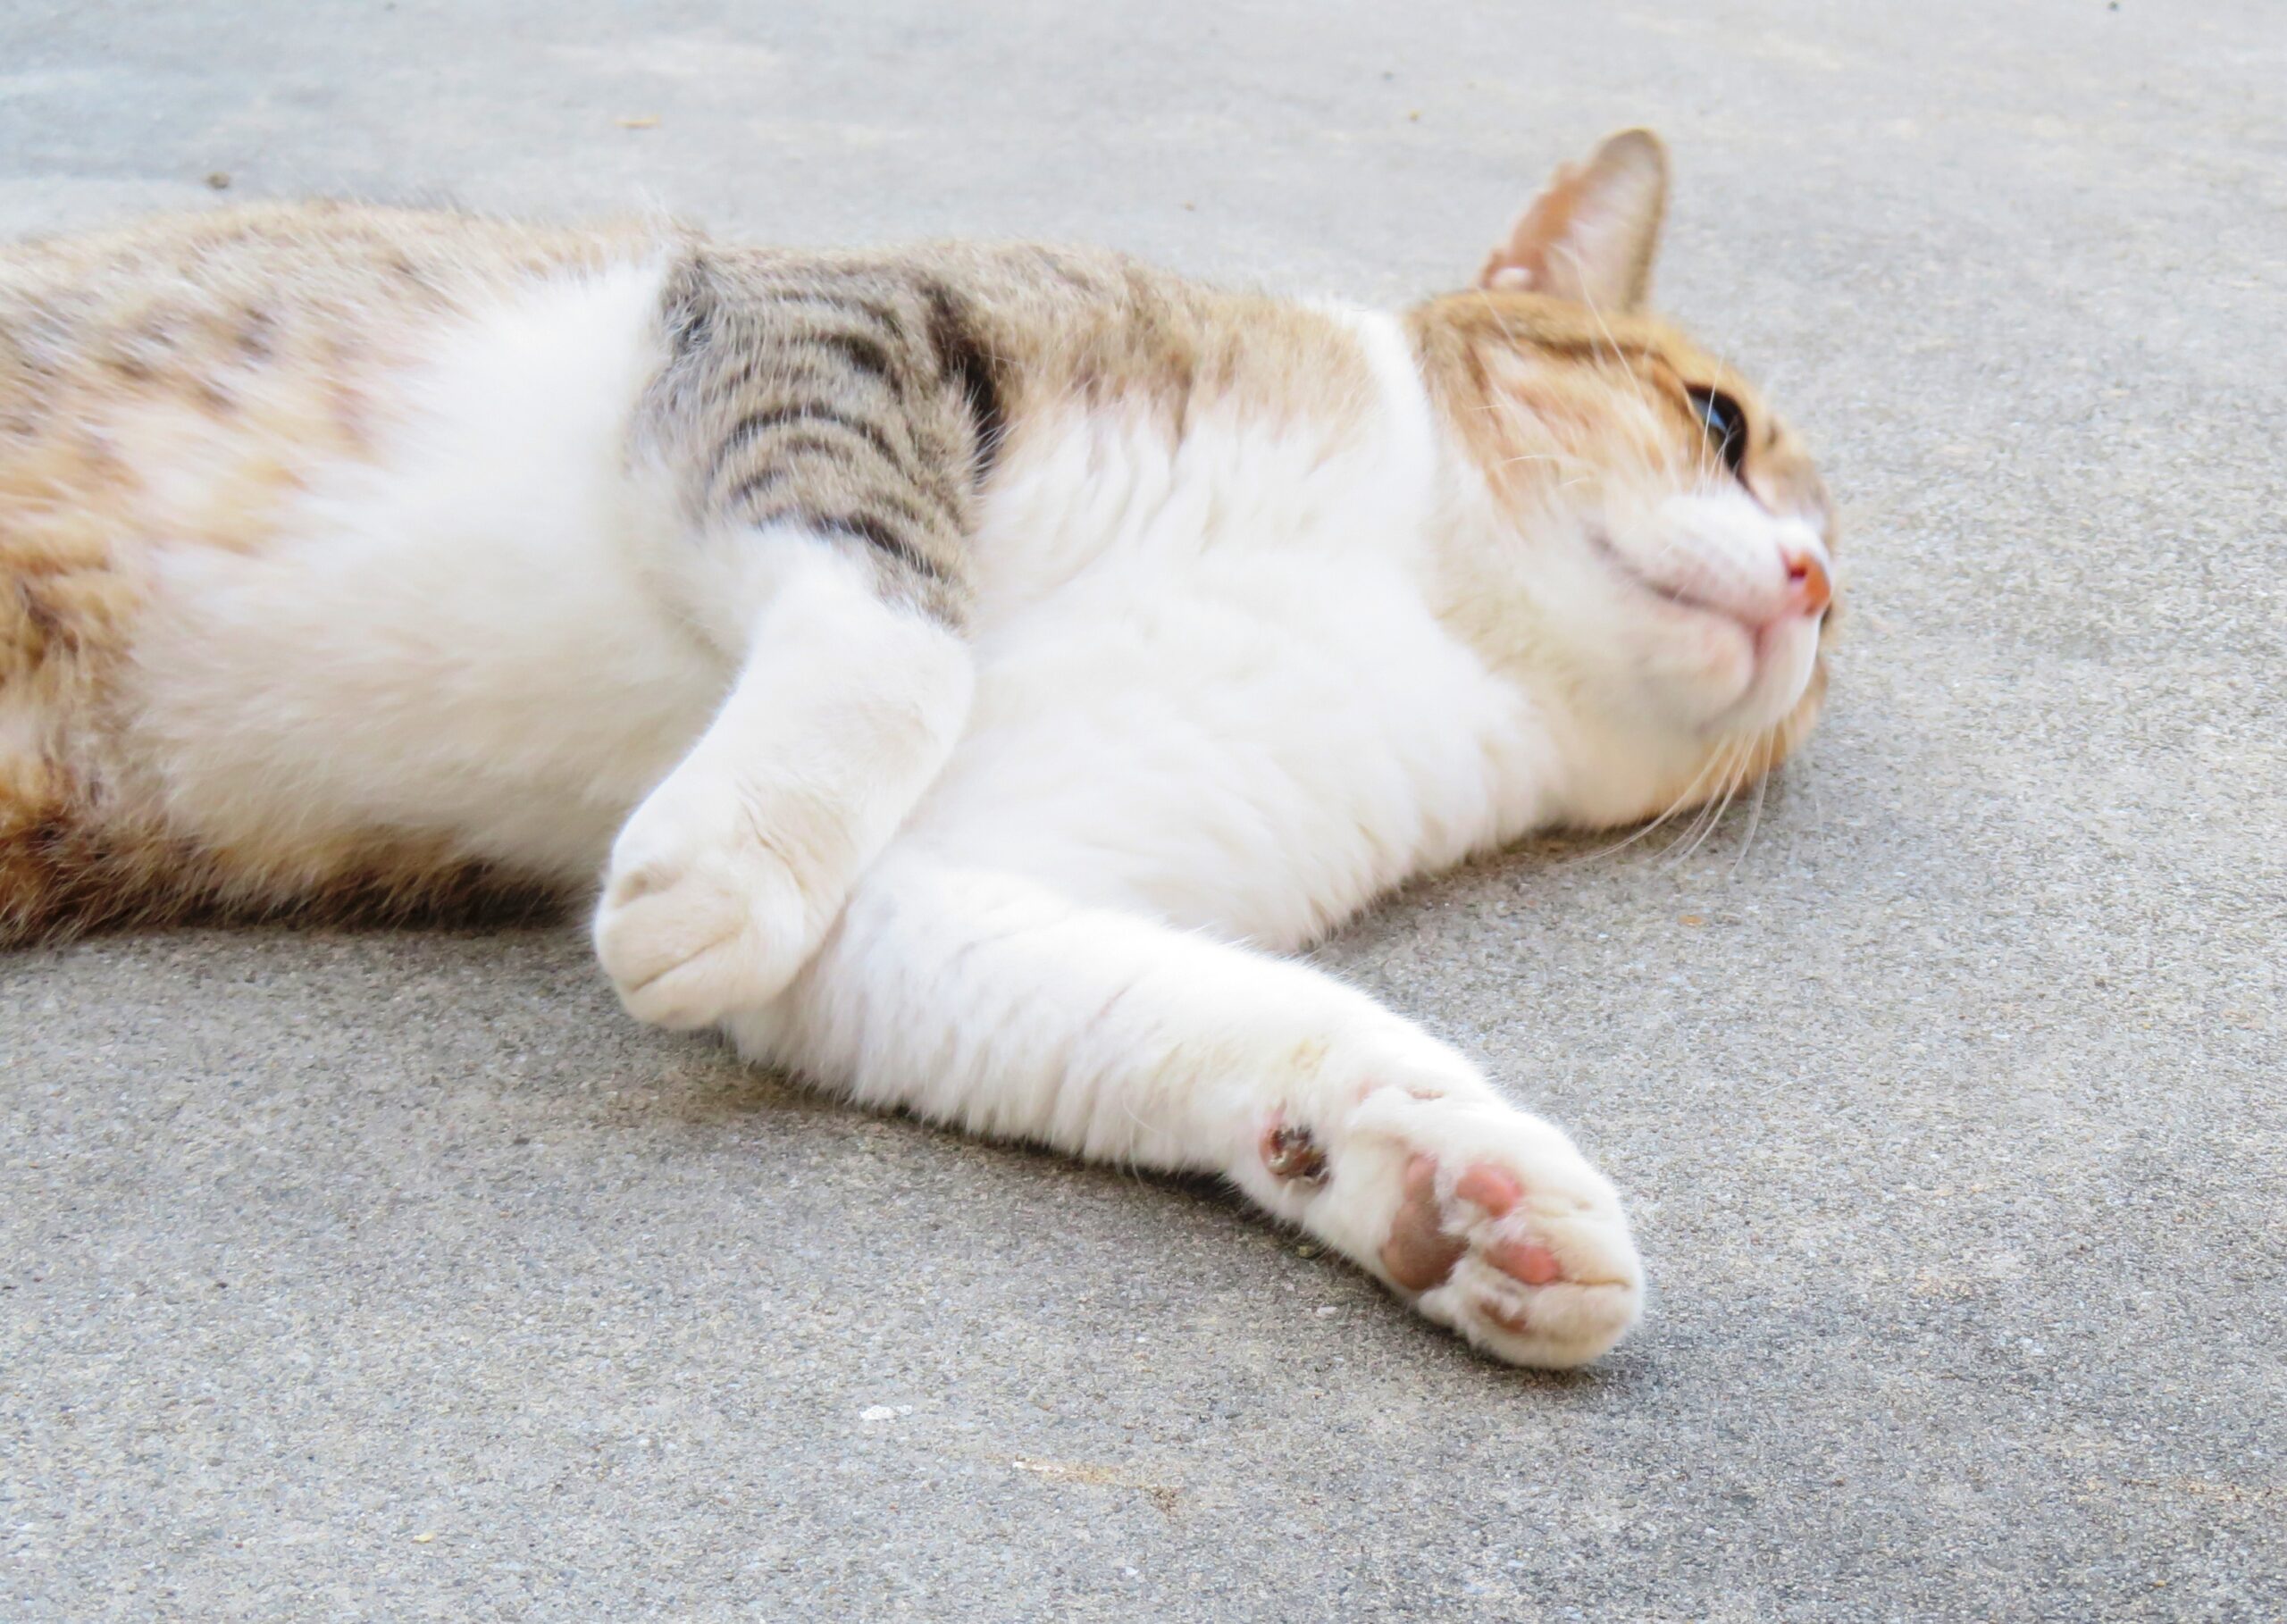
1208,684
1252,745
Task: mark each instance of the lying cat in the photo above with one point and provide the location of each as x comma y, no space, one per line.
968,666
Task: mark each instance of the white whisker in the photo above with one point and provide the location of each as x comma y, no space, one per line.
1754,817
1678,804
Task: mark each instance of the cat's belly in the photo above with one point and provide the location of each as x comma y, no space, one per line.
452,641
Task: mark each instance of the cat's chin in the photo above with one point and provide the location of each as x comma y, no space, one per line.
1728,678
1781,656
1704,674
1718,680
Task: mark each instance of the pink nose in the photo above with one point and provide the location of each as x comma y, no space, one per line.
1808,590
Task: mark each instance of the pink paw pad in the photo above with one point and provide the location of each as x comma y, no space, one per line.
1533,1264
1423,1250
1490,1188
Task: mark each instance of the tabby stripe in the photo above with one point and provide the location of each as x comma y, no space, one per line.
874,310
964,360
773,461
903,507
811,414
911,511
879,533
929,481
864,354
873,529
753,486
833,364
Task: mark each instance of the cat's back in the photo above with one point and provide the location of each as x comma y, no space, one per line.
174,378
131,352
171,281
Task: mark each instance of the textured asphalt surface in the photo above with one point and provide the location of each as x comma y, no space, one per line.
397,1276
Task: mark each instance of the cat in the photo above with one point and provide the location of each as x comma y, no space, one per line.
970,669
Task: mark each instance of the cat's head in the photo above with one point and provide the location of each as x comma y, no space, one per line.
1648,543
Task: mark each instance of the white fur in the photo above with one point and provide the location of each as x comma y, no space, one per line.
728,875
459,639
1214,704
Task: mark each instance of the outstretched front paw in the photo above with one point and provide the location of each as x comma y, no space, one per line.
1484,1218
700,917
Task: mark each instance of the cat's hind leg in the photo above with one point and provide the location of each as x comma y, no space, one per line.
723,880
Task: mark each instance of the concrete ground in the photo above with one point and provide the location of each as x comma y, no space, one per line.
397,1276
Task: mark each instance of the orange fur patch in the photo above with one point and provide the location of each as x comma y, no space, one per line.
164,387
1541,390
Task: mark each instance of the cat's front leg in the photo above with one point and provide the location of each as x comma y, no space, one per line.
725,879
985,999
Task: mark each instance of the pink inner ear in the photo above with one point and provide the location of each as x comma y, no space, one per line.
1591,234
1522,260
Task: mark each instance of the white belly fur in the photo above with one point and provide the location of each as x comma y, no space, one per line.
457,640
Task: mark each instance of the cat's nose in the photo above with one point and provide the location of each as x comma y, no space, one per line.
1808,590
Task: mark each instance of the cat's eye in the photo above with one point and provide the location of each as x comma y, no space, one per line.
1725,423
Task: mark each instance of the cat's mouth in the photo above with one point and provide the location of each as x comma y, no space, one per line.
1804,596
1601,542
1757,654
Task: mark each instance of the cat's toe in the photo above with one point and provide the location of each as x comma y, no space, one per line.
691,937
1418,1253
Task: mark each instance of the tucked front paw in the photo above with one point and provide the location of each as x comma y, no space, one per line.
699,918
1486,1219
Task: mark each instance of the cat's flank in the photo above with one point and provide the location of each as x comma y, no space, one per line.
967,668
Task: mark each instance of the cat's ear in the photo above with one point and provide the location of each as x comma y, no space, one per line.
1591,236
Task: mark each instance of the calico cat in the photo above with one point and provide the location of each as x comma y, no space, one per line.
968,668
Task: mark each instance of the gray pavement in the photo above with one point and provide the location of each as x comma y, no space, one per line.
396,1276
